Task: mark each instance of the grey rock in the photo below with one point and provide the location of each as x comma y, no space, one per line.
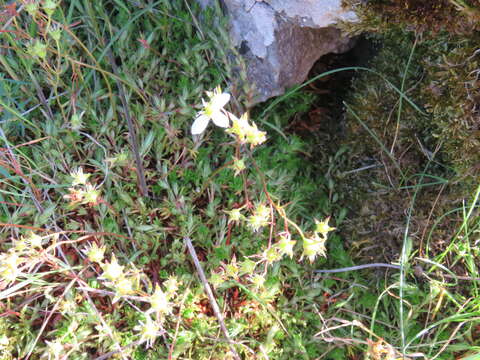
282,39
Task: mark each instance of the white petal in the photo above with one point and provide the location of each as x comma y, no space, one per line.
200,124
220,119
233,117
243,121
220,100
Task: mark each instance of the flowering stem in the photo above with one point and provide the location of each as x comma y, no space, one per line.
244,177
279,209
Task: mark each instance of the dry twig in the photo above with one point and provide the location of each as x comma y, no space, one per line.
211,298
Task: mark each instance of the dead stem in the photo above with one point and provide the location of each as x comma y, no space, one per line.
209,293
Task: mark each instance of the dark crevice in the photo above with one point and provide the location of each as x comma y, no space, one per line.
324,120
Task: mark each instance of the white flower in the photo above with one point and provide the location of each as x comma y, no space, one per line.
212,110
33,239
149,330
79,177
95,253
159,301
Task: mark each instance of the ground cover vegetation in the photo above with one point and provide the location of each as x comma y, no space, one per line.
124,235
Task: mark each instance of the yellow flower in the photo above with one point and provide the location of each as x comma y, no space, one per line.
9,262
234,215
91,195
112,271
322,226
239,127
231,270
286,244
256,222
314,246
263,211
171,286
33,239
257,280
95,253
254,136
124,286
271,255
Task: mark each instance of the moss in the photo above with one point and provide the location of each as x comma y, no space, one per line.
443,81
443,78
425,17
451,94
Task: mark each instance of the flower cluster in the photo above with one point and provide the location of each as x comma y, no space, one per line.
82,191
127,283
23,254
315,244
241,128
149,330
9,266
245,132
258,219
161,305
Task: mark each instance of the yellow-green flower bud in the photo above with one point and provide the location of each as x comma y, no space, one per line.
247,266
238,166
32,7
234,215
38,49
55,32
271,255
49,7
314,246
322,227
